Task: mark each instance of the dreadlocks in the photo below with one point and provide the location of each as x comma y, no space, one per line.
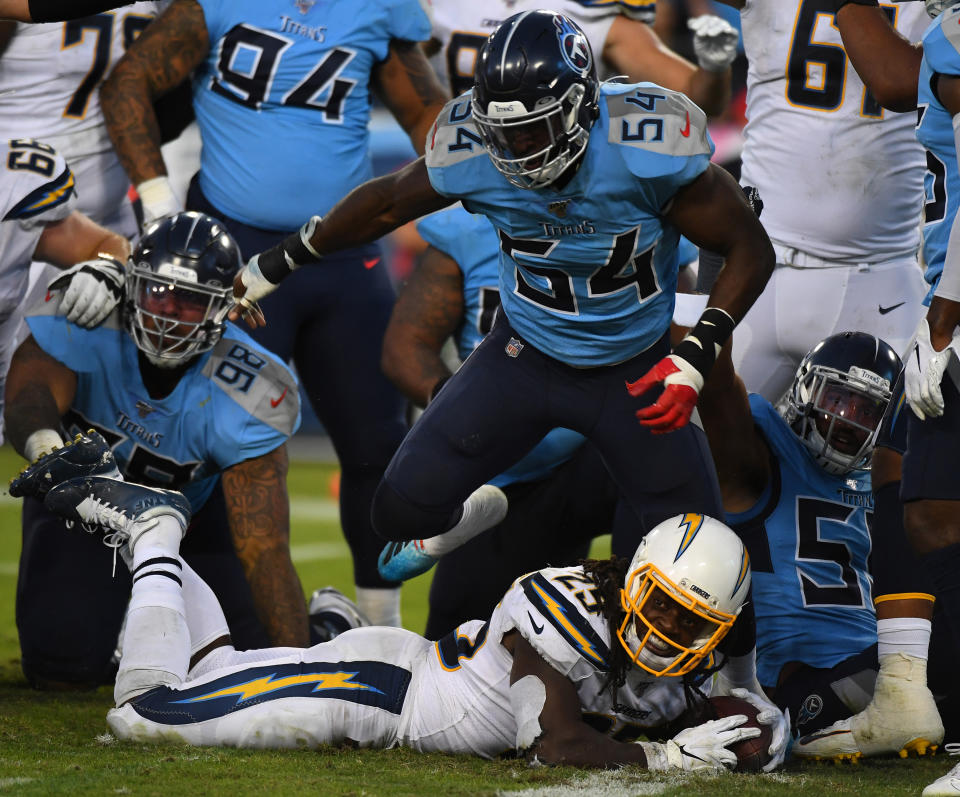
609,575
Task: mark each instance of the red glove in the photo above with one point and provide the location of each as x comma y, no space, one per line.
682,384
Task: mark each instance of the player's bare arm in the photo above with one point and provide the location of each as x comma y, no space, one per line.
368,212
39,391
169,49
739,451
634,49
564,738
78,238
18,10
713,213
258,511
888,63
406,83
428,311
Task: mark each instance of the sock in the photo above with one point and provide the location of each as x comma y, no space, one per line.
910,635
162,539
476,518
380,605
943,565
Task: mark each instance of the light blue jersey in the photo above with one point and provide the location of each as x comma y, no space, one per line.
588,274
809,543
235,402
472,243
283,100
941,55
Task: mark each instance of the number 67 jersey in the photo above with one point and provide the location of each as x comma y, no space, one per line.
235,402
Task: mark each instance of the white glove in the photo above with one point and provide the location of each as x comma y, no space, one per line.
769,714
714,42
257,286
157,199
93,289
701,747
924,370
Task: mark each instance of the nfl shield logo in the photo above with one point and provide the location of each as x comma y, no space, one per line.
143,409
304,5
513,347
559,209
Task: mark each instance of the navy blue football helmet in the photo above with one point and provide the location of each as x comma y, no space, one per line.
180,287
535,96
838,397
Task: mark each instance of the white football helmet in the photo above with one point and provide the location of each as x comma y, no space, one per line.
936,7
694,561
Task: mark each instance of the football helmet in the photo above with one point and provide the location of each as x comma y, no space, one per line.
180,287
936,7
685,586
535,96
838,398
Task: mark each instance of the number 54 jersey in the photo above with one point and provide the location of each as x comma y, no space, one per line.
234,403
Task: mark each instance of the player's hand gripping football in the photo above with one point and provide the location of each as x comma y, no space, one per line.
701,747
769,714
249,286
714,42
924,369
93,289
682,384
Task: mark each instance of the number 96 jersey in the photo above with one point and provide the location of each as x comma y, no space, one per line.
235,402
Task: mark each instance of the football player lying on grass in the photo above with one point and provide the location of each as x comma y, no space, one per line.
572,666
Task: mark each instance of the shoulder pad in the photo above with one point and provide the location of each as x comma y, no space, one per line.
942,51
39,182
453,137
652,118
261,385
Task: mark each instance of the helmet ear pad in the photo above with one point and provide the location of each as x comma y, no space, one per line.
180,286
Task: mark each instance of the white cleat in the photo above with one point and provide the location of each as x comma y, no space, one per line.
947,784
901,718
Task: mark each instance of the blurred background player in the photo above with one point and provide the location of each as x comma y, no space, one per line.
564,649
796,487
39,221
184,401
845,230
282,95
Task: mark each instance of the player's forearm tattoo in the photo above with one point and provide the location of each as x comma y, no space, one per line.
420,74
159,61
259,514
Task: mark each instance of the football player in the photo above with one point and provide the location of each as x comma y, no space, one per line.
845,232
620,34
40,220
283,94
589,187
797,489
572,666
184,400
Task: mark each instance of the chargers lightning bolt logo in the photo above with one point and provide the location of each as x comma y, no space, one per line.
560,613
693,522
265,685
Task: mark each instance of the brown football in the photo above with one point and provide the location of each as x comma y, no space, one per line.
751,754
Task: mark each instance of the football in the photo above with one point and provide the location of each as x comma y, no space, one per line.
751,754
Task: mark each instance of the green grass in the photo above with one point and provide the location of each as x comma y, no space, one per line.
57,743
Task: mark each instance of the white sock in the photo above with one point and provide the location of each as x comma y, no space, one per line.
380,605
160,540
476,518
910,635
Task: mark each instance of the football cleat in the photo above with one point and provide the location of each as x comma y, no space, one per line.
485,507
901,718
946,784
331,613
123,510
86,455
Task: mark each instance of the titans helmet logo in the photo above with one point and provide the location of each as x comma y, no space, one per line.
573,45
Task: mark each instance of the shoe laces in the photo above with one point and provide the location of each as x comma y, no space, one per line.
107,517
952,748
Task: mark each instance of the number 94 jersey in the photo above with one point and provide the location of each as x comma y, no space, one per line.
234,403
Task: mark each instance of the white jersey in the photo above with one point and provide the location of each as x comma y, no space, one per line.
462,26
53,72
384,687
37,189
841,179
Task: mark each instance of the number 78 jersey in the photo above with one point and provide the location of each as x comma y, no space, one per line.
588,274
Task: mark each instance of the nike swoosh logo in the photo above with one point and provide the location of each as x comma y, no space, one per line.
368,264
275,402
49,296
688,754
812,737
538,629
686,129
885,310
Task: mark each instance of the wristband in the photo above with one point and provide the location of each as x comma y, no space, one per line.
703,343
41,442
157,198
294,251
112,259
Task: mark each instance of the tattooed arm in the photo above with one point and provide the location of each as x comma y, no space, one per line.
427,312
165,54
39,391
406,83
258,511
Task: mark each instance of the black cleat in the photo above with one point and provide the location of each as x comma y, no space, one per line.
86,455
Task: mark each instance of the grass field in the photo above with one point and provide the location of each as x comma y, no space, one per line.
58,744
